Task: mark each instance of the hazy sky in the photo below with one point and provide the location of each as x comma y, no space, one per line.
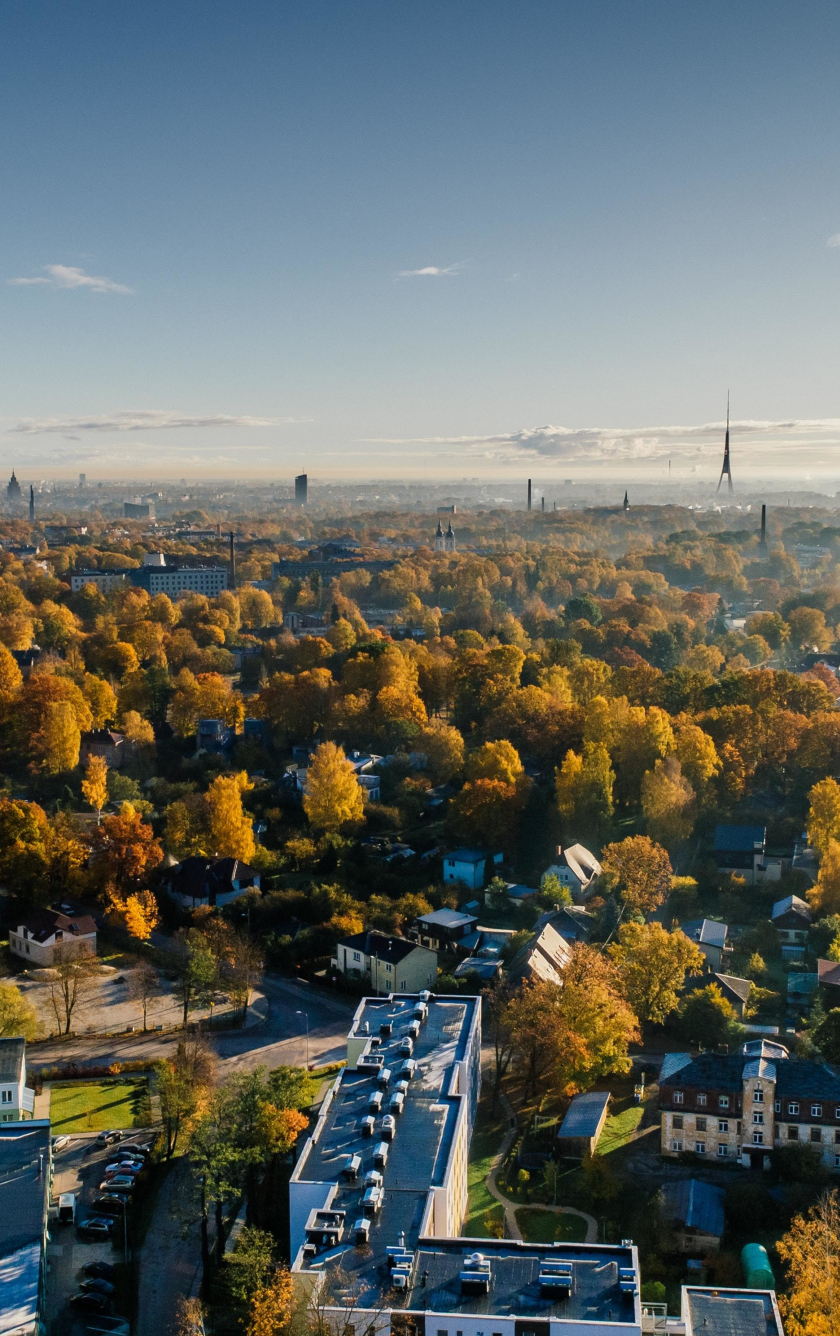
379,237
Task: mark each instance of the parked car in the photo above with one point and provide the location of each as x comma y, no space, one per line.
60,1142
67,1208
102,1270
109,1205
122,1183
97,1226
96,1303
135,1148
126,1166
109,1138
97,1286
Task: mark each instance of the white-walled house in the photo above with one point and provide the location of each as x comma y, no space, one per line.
37,938
17,1101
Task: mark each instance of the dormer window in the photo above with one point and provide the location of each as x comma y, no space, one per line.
701,1101
758,1095
678,1097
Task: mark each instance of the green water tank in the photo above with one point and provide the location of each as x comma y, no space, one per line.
758,1272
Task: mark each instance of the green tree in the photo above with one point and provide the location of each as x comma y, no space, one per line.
707,1019
197,971
18,1017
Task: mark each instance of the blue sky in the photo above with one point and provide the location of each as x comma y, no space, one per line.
631,204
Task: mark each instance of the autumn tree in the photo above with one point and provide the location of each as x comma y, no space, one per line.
197,970
333,798
668,802
271,1306
810,1251
95,785
824,814
652,964
140,914
183,1086
824,895
640,871
18,1017
56,744
495,760
444,747
231,830
584,787
127,848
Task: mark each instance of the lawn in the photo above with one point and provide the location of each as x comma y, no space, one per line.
548,1227
619,1128
92,1106
487,1137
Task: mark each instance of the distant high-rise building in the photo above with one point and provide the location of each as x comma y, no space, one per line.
301,489
139,510
529,493
449,540
626,501
726,471
82,479
31,504
13,488
439,538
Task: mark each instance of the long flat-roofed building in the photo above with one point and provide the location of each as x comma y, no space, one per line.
379,1195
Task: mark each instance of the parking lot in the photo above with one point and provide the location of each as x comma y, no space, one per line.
79,1168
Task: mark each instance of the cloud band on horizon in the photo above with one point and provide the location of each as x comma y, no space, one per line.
139,420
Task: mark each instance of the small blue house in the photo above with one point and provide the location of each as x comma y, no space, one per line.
469,866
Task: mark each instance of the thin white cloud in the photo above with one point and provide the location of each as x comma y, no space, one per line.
604,443
67,276
431,271
138,420
834,241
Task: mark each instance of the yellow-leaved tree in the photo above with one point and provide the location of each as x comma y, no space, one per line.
824,814
271,1306
333,796
58,739
95,785
824,896
140,913
811,1253
231,829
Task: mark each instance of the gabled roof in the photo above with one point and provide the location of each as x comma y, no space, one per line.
584,1114
42,924
545,957
376,944
694,1204
731,983
105,736
706,931
738,839
583,864
792,905
828,971
203,878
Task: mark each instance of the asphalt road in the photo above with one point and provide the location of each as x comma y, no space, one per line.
278,1038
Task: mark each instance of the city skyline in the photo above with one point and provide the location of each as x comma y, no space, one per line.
376,240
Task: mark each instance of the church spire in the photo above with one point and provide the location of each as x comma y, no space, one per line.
726,471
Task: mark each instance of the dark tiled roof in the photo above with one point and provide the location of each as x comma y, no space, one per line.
738,839
709,1071
377,944
828,972
101,736
41,924
205,878
808,1080
795,1078
695,1204
740,987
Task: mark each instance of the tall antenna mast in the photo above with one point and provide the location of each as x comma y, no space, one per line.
726,471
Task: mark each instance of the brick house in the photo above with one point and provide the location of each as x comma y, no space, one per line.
42,932
743,1105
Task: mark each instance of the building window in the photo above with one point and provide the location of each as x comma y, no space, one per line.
723,1125
758,1095
701,1101
7,1096
837,1137
758,1138
402,986
700,1148
677,1122
678,1097
777,1106
701,1124
387,969
837,1162
723,1101
816,1135
837,1113
676,1145
758,1117
816,1110
723,1149
793,1134
356,955
442,1333
738,1128
793,1109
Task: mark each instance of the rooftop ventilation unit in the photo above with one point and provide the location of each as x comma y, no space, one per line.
475,1277
555,1277
361,1232
352,1165
627,1280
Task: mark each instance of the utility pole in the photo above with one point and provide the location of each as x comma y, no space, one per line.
306,1018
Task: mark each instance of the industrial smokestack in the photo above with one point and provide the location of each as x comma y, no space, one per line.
232,563
543,505
763,526
529,493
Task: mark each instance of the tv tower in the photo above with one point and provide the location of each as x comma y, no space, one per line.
726,471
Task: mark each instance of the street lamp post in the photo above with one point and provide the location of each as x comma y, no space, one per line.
306,1018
